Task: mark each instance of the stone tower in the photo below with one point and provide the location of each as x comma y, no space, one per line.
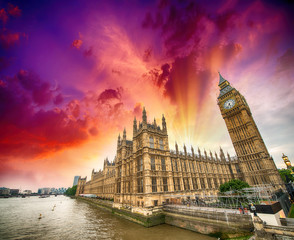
256,164
151,151
287,161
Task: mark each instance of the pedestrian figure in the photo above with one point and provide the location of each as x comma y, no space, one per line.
246,211
240,210
253,209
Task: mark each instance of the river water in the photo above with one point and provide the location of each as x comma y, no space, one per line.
75,219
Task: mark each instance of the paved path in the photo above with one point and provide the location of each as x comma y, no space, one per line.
210,209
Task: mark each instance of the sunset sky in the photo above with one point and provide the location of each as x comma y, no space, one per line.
73,74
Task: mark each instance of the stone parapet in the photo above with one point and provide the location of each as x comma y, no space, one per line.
218,224
269,232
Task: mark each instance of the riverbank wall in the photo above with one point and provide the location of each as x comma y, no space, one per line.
146,221
218,224
222,225
269,232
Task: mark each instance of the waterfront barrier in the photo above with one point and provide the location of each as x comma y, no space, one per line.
222,223
270,232
217,224
127,213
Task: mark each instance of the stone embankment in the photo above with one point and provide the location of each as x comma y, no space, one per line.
269,232
220,223
126,213
223,223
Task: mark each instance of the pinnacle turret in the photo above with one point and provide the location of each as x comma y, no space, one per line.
177,148
163,123
216,157
125,135
229,157
118,140
135,126
144,116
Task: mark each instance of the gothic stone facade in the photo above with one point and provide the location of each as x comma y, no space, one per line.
148,173
101,183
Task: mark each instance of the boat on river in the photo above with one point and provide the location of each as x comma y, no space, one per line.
44,196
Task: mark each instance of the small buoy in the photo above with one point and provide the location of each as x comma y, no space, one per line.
40,216
52,209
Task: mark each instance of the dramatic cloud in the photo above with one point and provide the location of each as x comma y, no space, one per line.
14,10
109,94
30,131
91,68
3,16
77,43
8,39
286,61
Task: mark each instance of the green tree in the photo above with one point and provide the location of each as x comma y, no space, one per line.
71,191
286,175
234,184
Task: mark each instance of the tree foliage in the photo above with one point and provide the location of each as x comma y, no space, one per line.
71,191
234,184
286,175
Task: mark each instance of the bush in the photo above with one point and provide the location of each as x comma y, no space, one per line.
233,185
286,175
71,191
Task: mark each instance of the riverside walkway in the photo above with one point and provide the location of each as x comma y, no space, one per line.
205,209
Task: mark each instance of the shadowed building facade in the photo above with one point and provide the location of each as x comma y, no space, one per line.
148,173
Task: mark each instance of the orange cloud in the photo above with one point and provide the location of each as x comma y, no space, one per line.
77,43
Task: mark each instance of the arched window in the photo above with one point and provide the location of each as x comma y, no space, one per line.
153,163
161,144
151,141
163,167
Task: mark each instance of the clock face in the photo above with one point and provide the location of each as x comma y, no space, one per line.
229,104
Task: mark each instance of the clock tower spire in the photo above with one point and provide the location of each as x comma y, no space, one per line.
255,163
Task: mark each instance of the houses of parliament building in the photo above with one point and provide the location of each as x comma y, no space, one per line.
145,172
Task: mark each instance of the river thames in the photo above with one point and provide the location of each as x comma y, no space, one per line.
74,219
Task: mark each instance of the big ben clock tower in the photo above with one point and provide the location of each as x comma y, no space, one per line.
255,163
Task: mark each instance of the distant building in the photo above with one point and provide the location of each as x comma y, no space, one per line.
14,191
51,190
44,190
62,190
27,192
76,179
47,190
4,191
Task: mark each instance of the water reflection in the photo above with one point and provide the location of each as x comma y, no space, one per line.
74,219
